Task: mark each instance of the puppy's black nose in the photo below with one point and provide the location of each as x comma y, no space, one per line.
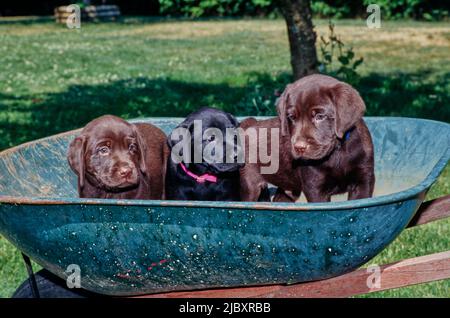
125,172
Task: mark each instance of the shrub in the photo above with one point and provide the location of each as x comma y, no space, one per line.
200,8
391,9
338,60
415,9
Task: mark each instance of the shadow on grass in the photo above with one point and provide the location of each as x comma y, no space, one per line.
26,118
408,95
126,20
26,20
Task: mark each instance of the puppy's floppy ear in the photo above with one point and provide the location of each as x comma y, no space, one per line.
233,120
282,105
143,149
349,107
188,124
75,157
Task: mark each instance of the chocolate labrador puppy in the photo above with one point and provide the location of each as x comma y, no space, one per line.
116,159
325,146
191,175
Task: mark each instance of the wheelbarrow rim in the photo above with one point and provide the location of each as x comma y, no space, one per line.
325,206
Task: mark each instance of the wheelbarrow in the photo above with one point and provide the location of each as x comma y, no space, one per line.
211,249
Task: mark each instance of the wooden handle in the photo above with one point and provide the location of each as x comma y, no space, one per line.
431,211
408,272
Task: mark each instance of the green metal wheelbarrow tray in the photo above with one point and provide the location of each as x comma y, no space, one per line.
137,247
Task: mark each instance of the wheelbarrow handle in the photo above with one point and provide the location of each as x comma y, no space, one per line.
412,271
432,210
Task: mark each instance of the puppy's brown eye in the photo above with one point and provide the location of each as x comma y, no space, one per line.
103,150
291,116
319,117
132,148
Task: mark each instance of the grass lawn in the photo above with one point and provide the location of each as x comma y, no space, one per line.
54,79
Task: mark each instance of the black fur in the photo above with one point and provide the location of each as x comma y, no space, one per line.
181,186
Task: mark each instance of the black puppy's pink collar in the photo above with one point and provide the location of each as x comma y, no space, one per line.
197,178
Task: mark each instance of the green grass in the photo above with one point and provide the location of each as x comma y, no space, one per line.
422,240
54,79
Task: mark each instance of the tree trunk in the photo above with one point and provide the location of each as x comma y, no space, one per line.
302,37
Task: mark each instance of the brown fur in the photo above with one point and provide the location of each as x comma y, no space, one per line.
132,166
315,113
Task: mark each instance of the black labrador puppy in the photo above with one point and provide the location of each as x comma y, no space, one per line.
203,164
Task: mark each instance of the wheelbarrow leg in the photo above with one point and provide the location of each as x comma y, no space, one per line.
31,279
